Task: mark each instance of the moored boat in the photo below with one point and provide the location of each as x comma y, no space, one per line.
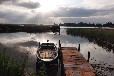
47,52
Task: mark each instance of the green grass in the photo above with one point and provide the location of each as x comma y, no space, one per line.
102,37
11,67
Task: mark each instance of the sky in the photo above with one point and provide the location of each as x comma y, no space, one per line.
56,11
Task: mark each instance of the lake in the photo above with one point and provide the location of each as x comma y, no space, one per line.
21,44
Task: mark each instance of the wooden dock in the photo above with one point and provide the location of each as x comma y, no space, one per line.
75,64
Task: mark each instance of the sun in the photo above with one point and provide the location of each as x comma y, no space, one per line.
47,5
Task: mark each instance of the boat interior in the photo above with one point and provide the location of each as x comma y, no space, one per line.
47,51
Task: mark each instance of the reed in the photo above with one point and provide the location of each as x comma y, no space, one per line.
10,66
42,70
102,37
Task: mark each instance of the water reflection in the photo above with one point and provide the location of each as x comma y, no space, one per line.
22,44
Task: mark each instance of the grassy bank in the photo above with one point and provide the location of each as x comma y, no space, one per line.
10,66
102,37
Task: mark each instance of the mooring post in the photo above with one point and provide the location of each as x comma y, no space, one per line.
88,56
39,44
59,29
59,41
59,45
79,47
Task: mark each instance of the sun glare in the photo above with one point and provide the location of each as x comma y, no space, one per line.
48,5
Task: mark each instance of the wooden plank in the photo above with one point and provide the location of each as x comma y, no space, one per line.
75,64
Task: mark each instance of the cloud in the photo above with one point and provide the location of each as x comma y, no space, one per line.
98,3
29,5
43,19
13,16
18,17
2,1
87,20
2,20
74,14
19,11
60,16
81,12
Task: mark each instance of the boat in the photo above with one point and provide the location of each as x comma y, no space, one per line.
47,52
48,55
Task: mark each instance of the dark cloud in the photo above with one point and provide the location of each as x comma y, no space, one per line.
13,16
2,1
81,12
16,17
28,44
29,5
73,12
87,20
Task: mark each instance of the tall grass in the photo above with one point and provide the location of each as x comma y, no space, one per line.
102,37
42,70
11,67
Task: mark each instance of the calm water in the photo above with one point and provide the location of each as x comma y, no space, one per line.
21,44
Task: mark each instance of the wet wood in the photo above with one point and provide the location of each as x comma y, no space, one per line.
75,64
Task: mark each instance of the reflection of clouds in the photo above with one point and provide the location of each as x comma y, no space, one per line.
20,52
14,51
28,44
66,40
69,40
98,54
63,31
44,37
19,44
11,38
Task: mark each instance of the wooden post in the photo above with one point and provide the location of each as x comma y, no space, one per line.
59,44
59,30
88,56
39,44
79,47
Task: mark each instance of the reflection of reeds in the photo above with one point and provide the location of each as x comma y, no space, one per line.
103,37
10,66
102,70
42,70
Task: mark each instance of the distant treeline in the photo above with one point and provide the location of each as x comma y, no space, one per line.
81,24
29,28
102,37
